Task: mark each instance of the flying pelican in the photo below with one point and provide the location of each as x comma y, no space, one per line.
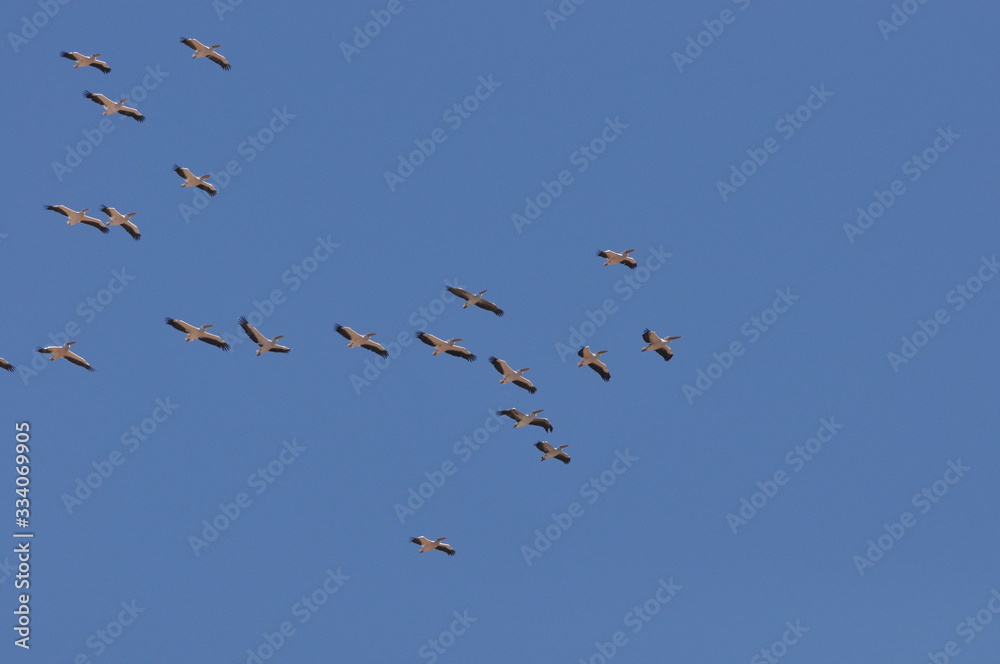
361,340
657,344
476,300
4,364
511,376
552,452
262,341
64,352
429,545
112,107
78,217
442,346
197,333
85,61
202,51
116,218
192,180
524,420
594,360
615,258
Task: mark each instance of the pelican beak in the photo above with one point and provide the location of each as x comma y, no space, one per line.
208,326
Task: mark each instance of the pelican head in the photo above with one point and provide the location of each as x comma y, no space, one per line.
451,341
205,327
535,412
280,336
84,209
68,344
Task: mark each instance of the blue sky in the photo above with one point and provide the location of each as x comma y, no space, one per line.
799,483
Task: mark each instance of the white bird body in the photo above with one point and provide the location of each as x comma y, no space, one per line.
264,344
74,217
86,61
202,51
116,218
614,258
361,340
450,347
552,452
63,352
511,376
112,107
658,345
192,180
198,333
522,420
475,299
594,360
429,545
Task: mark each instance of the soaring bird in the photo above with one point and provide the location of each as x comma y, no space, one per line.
116,218
511,376
192,180
442,346
202,51
80,217
112,107
198,333
263,342
86,61
523,420
594,360
615,258
429,545
4,364
552,452
476,300
655,343
64,352
361,340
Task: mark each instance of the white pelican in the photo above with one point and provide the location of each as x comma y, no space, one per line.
657,344
511,376
86,61
4,364
202,51
197,333
112,107
262,341
552,452
615,258
594,360
429,545
525,420
476,300
64,352
442,346
192,180
116,218
80,217
361,340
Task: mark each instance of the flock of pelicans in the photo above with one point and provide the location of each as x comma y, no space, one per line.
264,344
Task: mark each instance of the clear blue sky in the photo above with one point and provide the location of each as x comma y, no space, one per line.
628,134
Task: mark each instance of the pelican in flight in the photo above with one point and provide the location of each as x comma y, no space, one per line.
192,180
429,545
80,217
197,333
511,376
116,218
263,342
202,51
594,360
442,346
552,452
361,340
7,366
615,258
655,343
86,61
64,352
476,300
112,107
523,420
